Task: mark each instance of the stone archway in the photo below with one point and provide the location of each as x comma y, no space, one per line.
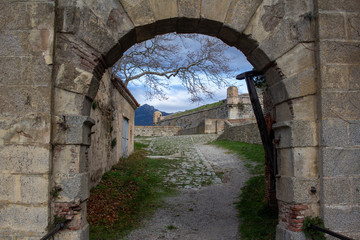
288,67
292,42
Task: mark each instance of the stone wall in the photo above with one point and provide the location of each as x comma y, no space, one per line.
149,131
192,120
109,108
339,114
248,133
78,167
26,58
206,126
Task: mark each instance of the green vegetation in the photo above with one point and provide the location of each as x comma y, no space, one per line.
94,105
57,220
139,147
312,233
258,221
259,81
113,143
54,192
171,227
253,153
207,106
132,190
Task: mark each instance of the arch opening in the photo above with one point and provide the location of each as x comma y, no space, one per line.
233,97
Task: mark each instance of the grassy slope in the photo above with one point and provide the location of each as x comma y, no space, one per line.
208,106
258,222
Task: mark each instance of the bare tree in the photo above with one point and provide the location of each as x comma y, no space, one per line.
197,60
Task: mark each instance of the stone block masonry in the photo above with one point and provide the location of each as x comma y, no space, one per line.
248,133
150,131
339,59
111,107
78,167
26,58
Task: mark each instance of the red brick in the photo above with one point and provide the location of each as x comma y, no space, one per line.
294,229
299,207
74,228
296,220
294,216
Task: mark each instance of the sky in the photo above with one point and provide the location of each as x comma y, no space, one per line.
178,98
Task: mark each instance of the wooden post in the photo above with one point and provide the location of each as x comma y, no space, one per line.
265,138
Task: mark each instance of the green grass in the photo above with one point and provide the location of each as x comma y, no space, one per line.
132,190
141,142
253,153
171,227
207,106
219,174
138,146
258,221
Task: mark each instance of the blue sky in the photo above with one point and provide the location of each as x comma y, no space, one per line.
178,98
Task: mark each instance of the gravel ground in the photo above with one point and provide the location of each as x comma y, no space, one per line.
198,212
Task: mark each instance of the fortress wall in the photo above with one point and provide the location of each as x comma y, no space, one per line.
214,125
149,131
248,133
236,108
209,120
199,129
192,120
208,126
237,122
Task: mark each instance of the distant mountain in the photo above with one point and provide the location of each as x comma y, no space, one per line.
144,115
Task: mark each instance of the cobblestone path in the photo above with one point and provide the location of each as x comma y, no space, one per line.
209,180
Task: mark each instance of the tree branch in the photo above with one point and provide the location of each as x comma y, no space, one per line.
186,56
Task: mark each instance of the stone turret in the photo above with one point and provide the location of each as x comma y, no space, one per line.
157,117
232,95
233,102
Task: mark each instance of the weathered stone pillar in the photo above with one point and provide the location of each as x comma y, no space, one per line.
75,87
339,114
78,68
76,81
294,97
26,58
70,174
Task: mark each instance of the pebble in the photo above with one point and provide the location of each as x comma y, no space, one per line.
193,169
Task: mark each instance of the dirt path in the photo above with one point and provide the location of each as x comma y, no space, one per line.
199,212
